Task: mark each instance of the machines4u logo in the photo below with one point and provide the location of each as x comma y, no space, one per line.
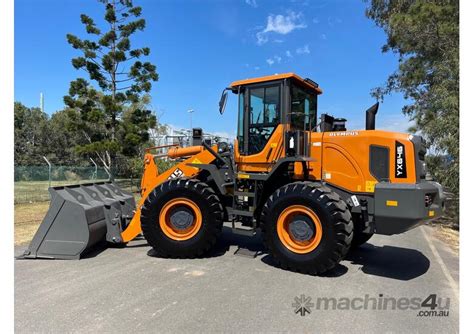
303,305
400,161
431,306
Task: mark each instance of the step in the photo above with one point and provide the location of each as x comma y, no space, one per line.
238,228
244,193
242,213
245,252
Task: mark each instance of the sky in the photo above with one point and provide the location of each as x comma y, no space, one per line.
200,47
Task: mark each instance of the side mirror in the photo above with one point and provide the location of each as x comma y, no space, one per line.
223,101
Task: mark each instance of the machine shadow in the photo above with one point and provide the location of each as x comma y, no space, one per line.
103,246
138,242
390,261
385,261
255,245
95,250
337,271
252,244
225,241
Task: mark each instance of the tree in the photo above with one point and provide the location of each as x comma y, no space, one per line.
138,120
425,35
30,134
62,140
120,78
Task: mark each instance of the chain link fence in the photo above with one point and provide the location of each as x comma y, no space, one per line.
32,182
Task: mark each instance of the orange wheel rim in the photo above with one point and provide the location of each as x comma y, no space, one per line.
168,216
306,218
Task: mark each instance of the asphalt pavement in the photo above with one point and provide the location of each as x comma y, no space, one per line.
378,288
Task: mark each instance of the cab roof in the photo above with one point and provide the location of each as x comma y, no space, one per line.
308,83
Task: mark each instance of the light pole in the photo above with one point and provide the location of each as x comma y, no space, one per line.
49,170
190,111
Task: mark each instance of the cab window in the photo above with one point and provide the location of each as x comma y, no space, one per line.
264,116
303,109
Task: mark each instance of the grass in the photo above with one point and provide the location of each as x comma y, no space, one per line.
28,217
448,235
37,191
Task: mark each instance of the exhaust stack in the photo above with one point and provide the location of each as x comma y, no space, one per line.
370,117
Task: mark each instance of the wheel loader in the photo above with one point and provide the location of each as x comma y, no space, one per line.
313,188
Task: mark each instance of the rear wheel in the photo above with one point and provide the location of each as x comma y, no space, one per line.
182,218
306,227
360,237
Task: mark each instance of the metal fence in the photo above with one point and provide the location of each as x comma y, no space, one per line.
32,182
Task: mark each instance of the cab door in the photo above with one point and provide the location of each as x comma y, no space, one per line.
260,133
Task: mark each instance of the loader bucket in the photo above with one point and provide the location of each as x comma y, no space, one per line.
80,217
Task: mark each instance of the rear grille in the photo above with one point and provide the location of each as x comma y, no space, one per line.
379,162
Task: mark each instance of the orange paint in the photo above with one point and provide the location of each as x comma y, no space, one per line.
296,246
178,152
345,158
264,160
270,78
167,227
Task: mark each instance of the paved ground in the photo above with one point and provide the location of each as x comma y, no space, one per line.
130,290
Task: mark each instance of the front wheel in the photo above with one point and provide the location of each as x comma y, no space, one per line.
182,218
306,227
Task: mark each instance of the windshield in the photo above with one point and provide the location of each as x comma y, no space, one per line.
303,108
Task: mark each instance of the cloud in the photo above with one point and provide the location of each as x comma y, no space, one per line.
323,36
284,24
315,21
275,59
333,21
303,50
280,24
261,38
256,68
251,3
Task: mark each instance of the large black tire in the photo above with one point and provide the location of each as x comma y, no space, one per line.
335,219
210,209
360,237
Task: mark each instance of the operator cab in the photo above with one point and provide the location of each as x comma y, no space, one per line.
266,103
